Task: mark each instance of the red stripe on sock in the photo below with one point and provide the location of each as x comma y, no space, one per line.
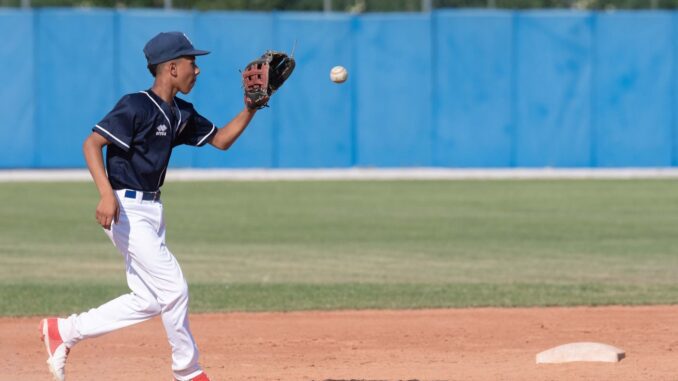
54,336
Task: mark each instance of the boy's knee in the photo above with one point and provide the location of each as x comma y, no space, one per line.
149,305
177,294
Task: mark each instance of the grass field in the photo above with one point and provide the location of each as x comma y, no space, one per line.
254,246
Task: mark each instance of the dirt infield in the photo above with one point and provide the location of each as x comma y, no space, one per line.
458,344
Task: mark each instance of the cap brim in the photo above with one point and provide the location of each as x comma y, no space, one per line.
193,52
196,52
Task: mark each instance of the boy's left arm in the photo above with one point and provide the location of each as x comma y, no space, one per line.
230,132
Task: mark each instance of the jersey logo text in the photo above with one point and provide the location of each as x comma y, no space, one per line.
162,130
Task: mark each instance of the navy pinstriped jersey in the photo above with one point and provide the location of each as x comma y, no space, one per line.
142,130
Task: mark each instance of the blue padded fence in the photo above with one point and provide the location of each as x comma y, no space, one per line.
463,88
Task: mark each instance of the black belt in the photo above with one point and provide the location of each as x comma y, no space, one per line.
146,196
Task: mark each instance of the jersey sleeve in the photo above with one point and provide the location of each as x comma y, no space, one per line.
118,125
198,131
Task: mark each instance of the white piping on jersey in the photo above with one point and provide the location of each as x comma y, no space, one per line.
168,122
178,110
203,139
158,106
111,135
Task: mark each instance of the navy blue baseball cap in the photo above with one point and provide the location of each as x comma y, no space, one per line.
168,46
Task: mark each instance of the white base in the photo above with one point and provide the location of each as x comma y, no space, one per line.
580,352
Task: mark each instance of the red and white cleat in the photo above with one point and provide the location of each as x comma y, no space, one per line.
201,377
56,349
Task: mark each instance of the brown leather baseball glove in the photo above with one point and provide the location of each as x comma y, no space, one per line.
264,76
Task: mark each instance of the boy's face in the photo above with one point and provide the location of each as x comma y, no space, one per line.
185,73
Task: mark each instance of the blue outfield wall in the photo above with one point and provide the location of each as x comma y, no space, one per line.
462,88
17,92
474,75
674,93
552,102
634,86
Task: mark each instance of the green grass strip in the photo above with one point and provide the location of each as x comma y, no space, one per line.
260,246
41,299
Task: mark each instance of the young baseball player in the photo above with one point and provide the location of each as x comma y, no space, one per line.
140,133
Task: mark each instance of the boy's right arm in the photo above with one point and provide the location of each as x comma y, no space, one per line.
107,209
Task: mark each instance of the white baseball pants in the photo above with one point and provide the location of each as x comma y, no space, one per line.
157,283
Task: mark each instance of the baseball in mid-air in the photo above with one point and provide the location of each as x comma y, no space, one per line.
338,74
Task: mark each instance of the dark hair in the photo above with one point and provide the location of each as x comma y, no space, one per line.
153,69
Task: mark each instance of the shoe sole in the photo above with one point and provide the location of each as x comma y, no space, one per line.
44,336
